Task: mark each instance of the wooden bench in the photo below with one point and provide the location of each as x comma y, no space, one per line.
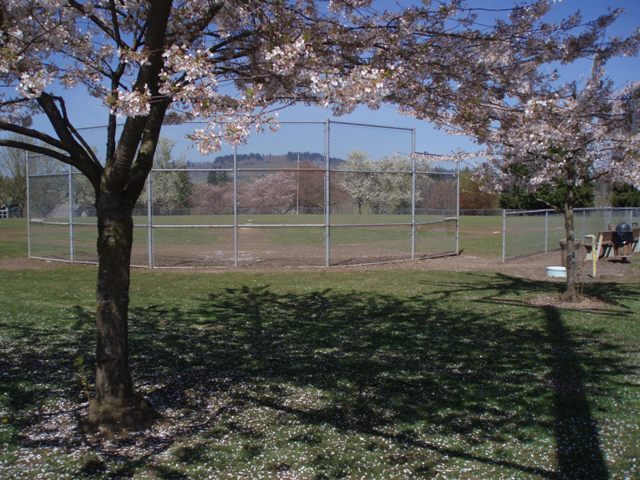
605,246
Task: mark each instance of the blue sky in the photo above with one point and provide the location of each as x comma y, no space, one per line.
431,139
87,111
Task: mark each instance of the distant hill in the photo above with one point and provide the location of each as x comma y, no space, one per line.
258,160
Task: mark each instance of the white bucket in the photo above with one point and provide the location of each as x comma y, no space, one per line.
557,272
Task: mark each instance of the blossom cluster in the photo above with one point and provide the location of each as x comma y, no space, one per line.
133,103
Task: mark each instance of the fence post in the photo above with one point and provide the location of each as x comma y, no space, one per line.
327,202
504,235
150,250
413,194
458,207
546,232
70,188
235,206
26,171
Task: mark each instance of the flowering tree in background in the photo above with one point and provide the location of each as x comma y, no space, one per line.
385,186
504,98
566,138
356,180
228,63
171,190
392,189
274,193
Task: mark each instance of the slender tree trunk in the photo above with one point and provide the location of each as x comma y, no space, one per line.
115,407
570,294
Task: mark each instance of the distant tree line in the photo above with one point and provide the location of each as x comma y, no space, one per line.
244,159
355,188
625,195
13,185
475,195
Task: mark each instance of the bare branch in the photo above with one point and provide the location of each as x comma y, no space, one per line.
95,19
83,160
31,133
37,149
75,133
114,21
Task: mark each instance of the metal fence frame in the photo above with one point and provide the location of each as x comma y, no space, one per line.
327,225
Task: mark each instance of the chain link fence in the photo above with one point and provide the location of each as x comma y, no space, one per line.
528,232
312,193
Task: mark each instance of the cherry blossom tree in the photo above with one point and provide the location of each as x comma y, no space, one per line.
150,62
274,193
208,199
384,186
568,138
231,63
506,94
356,180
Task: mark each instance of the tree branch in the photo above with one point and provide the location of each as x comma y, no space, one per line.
114,20
83,161
118,166
75,133
38,149
95,19
31,133
144,159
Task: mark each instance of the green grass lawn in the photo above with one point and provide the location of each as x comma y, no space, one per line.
479,236
13,237
320,375
198,239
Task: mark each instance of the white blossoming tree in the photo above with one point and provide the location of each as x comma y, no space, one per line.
564,138
149,62
384,186
356,180
227,63
509,98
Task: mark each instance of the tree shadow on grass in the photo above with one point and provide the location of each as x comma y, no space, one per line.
578,445
405,370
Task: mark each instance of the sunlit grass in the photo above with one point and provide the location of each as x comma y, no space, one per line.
13,237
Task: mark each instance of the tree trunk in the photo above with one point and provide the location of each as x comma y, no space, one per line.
115,407
570,294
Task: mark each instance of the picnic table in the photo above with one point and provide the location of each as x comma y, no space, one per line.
606,247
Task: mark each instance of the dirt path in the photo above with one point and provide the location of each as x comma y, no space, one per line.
532,267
